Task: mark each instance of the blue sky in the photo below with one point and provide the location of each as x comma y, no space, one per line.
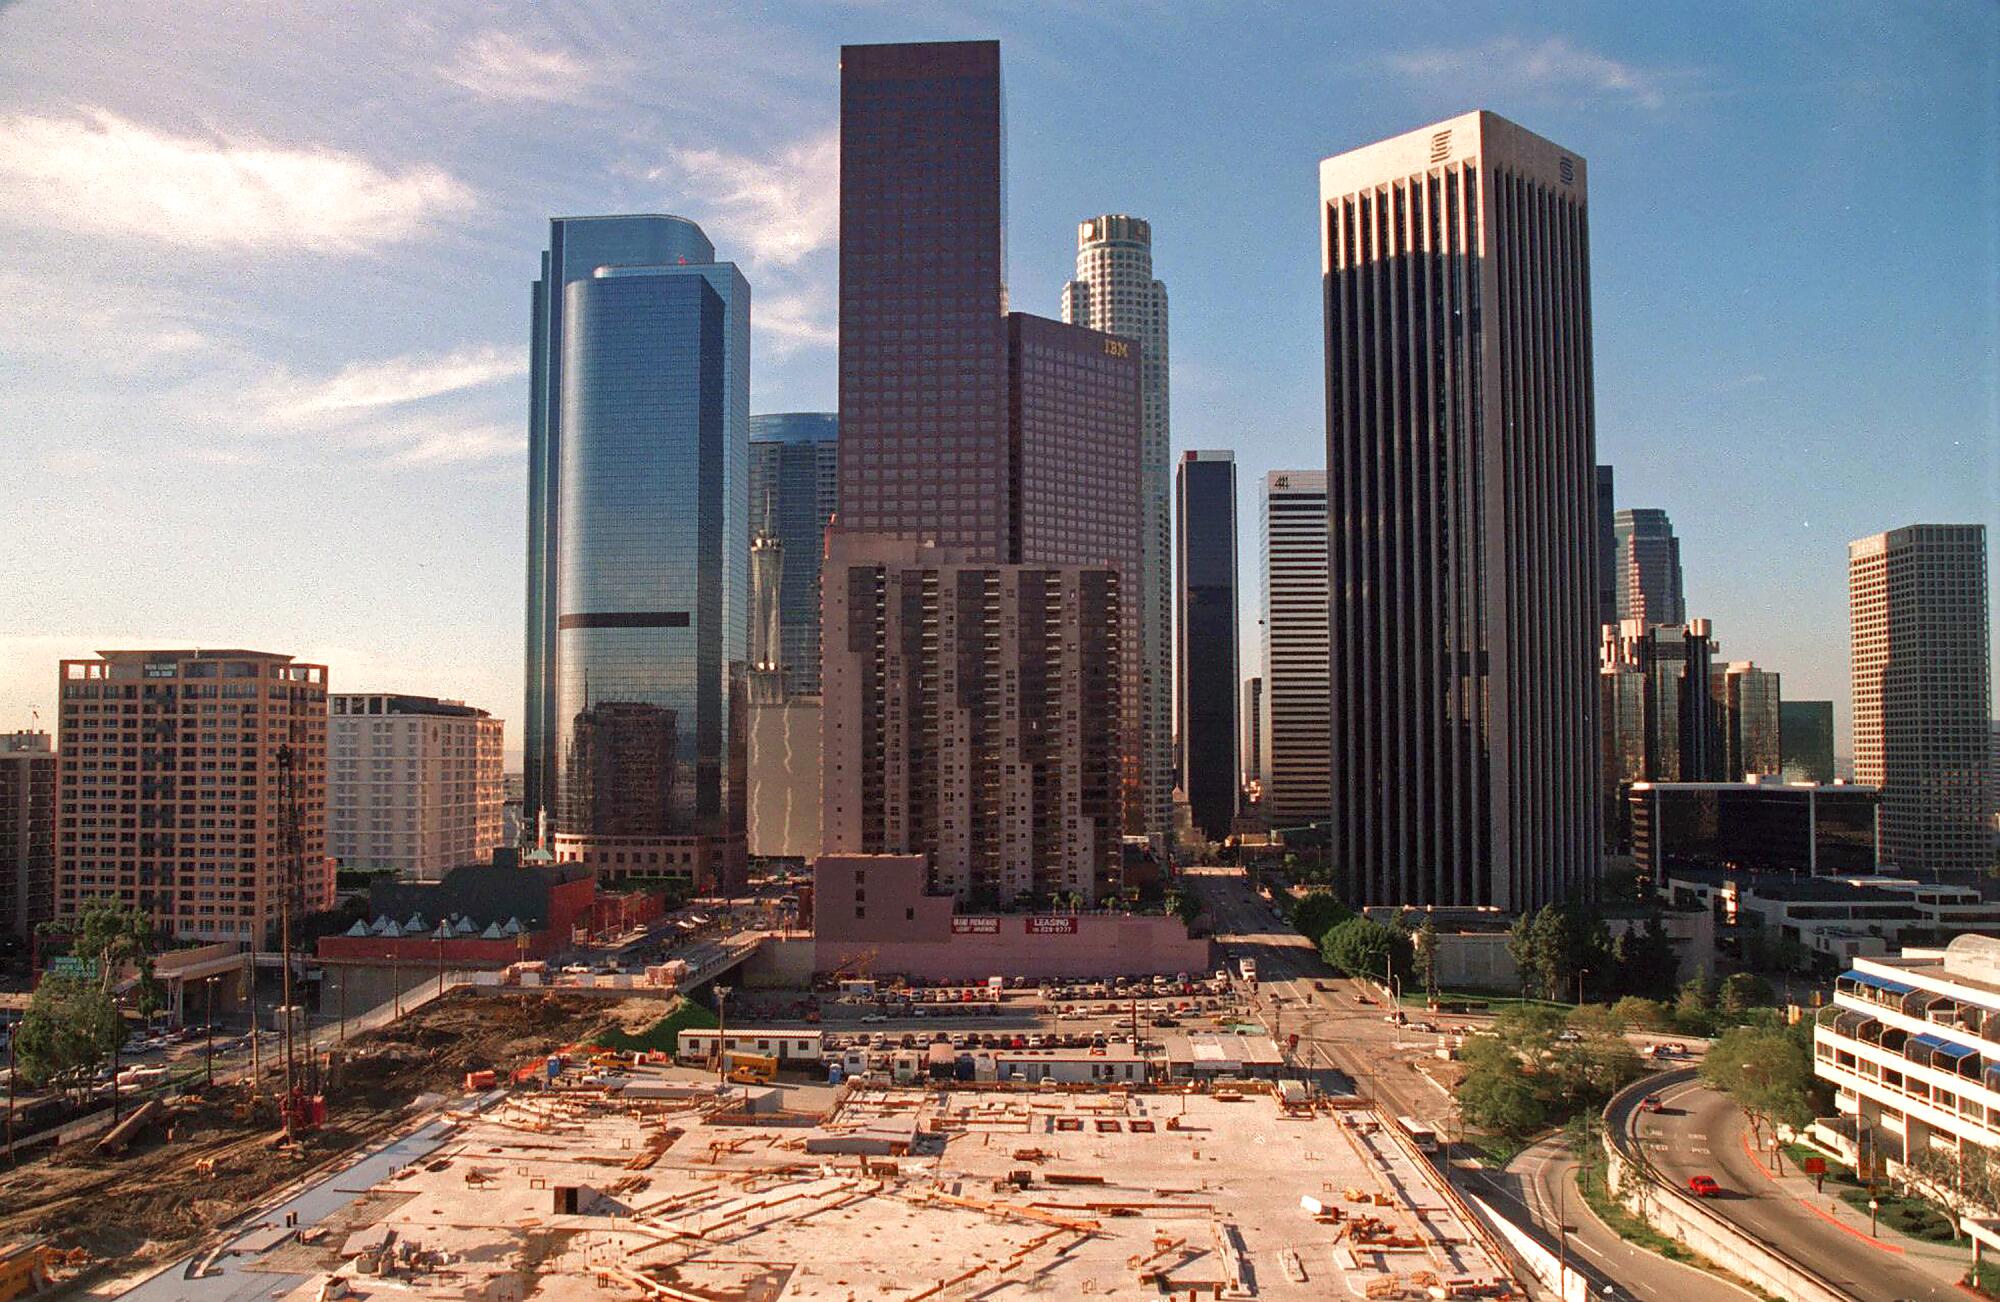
264,377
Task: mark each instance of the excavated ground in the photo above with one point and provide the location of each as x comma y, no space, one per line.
155,1201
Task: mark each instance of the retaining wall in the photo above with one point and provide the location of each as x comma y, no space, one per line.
1681,1217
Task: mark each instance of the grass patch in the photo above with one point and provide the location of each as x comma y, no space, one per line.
1983,1280
1494,1000
1493,1149
662,1036
1906,1215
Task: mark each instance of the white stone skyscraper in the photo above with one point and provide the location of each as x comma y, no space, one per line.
1114,291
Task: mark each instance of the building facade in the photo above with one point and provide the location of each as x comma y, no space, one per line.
1744,701
1607,547
1296,758
414,784
972,714
651,575
578,248
1007,437
1805,740
794,489
1253,735
1115,292
1649,568
1206,680
1922,681
191,786
1753,827
1462,543
1656,717
1911,1047
27,831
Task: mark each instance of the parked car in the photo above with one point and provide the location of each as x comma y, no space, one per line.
1703,1186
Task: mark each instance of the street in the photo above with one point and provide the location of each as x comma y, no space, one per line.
1701,1132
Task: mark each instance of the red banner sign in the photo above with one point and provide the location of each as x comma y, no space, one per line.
975,926
1059,925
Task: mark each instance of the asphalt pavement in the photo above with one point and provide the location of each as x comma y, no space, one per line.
1701,1132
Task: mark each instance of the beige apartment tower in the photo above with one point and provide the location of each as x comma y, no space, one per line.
191,785
1922,680
972,714
414,784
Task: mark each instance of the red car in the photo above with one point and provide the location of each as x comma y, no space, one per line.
1703,1186
1652,1103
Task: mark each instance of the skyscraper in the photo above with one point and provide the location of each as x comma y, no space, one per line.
27,831
413,783
219,851
1006,437
1296,758
1805,740
578,247
649,592
1649,568
1744,703
1656,717
1206,681
923,298
1922,681
1462,539
1114,291
1253,733
972,714
794,488
1607,548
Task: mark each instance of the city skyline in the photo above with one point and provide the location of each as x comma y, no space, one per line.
404,406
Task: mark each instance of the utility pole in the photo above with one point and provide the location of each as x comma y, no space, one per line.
208,992
13,1068
721,1033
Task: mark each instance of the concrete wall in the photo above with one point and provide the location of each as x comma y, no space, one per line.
1476,960
1679,1216
780,963
872,911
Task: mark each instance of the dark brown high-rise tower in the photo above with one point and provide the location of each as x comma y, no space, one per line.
1006,437
1461,484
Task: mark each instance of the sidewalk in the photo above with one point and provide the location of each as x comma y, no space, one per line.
1942,1261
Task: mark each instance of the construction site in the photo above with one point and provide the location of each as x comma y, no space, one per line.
662,1182
117,1204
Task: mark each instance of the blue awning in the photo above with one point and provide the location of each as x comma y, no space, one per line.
1877,983
1937,1044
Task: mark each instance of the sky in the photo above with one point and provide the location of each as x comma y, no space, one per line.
263,381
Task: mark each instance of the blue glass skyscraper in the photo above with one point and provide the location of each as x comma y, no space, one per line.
794,487
638,542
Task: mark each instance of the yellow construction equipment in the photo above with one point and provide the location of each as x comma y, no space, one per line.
750,1068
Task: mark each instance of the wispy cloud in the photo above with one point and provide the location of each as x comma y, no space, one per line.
780,207
365,386
797,320
1552,69
502,66
102,174
457,446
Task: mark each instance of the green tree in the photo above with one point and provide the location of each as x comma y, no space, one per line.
1185,905
1694,1007
111,933
1766,1069
1644,959
1361,947
1743,991
1424,955
1643,1014
1524,947
1317,912
70,1028
1495,1096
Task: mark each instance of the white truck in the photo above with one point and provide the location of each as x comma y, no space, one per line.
1247,969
